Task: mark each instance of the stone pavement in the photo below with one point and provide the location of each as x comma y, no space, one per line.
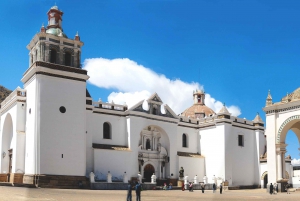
41,194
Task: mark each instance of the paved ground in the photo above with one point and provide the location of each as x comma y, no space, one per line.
33,194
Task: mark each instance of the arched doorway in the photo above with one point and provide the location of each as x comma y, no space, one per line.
148,172
265,180
7,135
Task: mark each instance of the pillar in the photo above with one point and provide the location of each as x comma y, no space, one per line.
280,151
279,166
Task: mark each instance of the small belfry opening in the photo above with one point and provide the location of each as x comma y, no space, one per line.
68,59
53,54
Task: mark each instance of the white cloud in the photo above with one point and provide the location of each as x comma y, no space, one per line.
134,82
295,162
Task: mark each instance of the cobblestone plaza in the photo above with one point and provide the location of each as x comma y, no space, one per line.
40,194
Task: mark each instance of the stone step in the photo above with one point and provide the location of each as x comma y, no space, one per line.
5,184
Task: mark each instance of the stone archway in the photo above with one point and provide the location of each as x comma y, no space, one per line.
148,172
280,118
153,149
265,180
6,145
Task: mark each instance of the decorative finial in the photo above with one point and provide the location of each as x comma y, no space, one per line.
77,34
43,24
224,104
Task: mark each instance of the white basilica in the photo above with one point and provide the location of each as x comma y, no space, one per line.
52,130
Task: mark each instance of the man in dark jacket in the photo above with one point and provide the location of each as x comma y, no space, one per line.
138,189
271,189
129,189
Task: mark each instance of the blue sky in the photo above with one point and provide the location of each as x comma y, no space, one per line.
236,50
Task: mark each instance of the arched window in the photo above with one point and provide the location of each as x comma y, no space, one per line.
67,59
184,140
148,144
53,56
106,131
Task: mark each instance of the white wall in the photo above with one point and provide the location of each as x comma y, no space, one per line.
31,126
89,144
62,133
118,129
192,139
117,162
213,149
244,158
192,167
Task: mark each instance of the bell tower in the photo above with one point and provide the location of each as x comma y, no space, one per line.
55,86
199,97
52,45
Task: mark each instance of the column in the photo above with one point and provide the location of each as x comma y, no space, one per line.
279,166
283,164
152,140
160,170
164,172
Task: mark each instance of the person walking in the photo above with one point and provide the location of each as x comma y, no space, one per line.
221,188
202,187
138,189
287,188
275,188
182,187
129,190
214,187
271,189
191,187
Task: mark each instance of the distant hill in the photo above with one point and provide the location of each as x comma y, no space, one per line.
4,93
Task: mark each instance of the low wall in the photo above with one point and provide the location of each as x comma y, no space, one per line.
57,181
4,177
118,186
296,182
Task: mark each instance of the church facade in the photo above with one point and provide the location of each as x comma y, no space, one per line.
52,129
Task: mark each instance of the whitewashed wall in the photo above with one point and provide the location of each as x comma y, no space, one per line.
117,162
31,125
62,133
89,144
213,149
245,170
118,129
192,167
192,139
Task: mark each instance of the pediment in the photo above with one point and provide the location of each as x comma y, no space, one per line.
155,98
138,107
169,112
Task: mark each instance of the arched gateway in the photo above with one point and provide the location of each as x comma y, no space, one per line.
280,118
153,153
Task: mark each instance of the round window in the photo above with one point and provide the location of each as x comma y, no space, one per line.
62,109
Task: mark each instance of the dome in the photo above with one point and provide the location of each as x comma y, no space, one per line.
198,111
56,32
